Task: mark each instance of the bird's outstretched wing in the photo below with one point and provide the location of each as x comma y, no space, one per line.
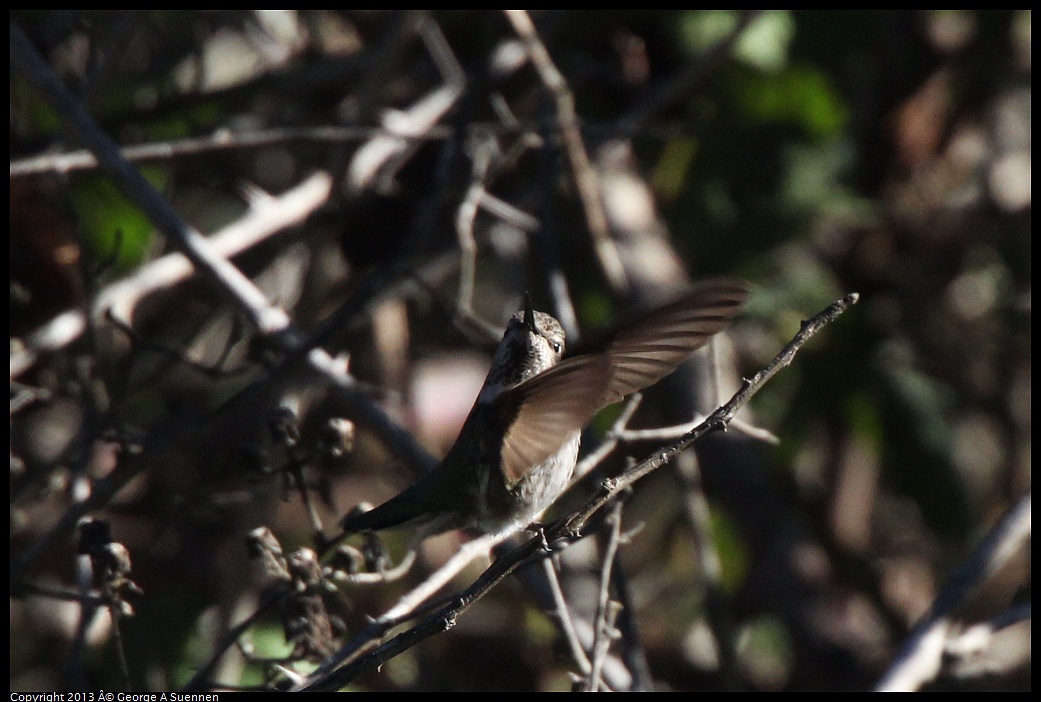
542,412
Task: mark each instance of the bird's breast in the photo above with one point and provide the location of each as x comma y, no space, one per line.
507,507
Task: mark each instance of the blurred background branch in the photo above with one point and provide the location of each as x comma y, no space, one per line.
598,161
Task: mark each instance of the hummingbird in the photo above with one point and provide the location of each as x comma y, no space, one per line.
517,449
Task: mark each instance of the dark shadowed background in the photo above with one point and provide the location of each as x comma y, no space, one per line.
432,168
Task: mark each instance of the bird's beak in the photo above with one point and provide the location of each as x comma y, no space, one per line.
529,314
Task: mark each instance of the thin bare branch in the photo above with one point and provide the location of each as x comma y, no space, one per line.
563,616
265,217
221,140
606,609
404,127
921,656
330,677
719,419
271,321
584,174
267,318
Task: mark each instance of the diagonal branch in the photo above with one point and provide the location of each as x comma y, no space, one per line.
270,320
921,657
266,216
585,176
267,318
560,533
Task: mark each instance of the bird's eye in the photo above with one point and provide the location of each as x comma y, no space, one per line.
556,346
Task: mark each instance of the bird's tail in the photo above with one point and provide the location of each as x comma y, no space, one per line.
408,506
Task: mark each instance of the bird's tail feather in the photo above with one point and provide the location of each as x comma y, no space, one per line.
406,507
